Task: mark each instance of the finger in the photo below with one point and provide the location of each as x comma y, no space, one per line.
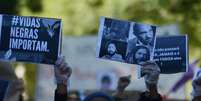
125,79
61,63
69,72
147,63
58,62
60,59
64,66
146,69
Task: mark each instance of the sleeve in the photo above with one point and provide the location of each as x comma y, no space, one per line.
60,97
116,98
142,97
145,97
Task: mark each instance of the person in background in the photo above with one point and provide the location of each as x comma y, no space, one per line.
99,96
15,86
150,71
106,83
118,95
123,82
197,87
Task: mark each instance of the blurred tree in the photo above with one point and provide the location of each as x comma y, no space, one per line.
187,13
30,78
9,6
34,5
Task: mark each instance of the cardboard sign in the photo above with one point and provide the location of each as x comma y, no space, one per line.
125,41
3,89
171,54
30,39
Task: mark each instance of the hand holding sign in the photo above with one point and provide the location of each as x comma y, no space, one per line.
197,85
125,41
62,71
150,71
123,82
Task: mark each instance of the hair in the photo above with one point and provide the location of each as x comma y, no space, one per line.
136,49
137,25
75,93
106,78
108,43
98,94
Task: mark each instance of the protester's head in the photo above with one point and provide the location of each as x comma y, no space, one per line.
111,48
98,96
144,33
141,54
197,87
74,96
105,82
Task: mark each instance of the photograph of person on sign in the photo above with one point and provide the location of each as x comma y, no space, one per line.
139,54
131,42
141,35
116,29
112,49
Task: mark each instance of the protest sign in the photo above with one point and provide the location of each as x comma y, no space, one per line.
125,41
30,39
171,54
3,89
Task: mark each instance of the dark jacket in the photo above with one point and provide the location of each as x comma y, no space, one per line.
145,96
60,97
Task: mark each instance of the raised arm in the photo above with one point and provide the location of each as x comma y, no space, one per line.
62,74
123,82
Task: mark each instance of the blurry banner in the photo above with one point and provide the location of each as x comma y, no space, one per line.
171,54
3,88
186,76
29,39
125,41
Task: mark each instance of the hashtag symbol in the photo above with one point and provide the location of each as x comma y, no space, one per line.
15,20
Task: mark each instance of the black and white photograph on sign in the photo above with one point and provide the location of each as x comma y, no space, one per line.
30,39
113,50
142,39
138,54
115,29
136,41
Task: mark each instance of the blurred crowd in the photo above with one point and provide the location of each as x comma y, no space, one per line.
149,71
